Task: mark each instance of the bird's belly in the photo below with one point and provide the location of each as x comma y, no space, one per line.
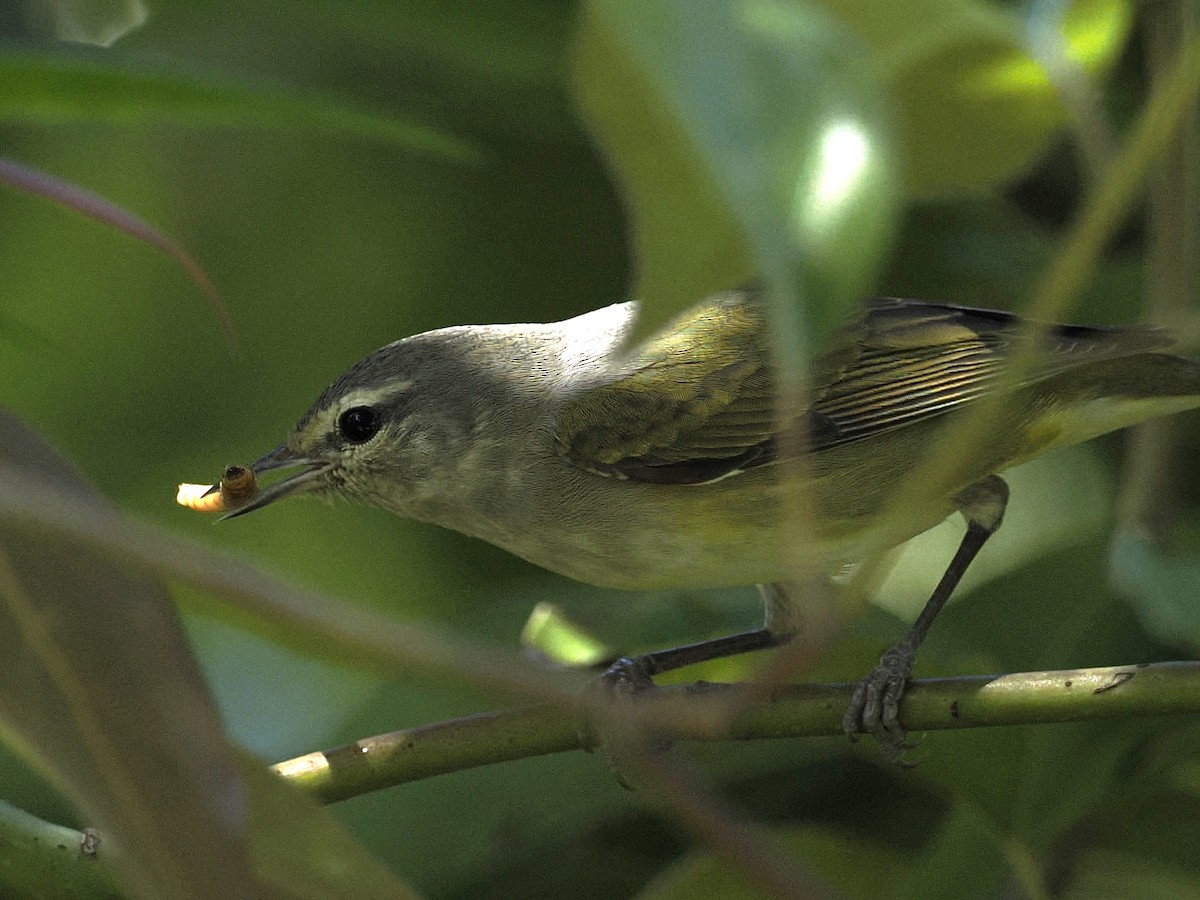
698,536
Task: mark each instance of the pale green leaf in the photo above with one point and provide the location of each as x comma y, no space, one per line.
43,87
974,105
100,692
750,143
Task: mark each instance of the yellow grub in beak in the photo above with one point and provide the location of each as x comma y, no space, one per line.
200,497
237,488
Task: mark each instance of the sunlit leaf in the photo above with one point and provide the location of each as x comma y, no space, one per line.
550,634
749,144
974,105
98,22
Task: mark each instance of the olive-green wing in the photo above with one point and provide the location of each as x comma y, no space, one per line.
908,361
697,403
694,404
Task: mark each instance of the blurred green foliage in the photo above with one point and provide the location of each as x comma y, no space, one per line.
349,173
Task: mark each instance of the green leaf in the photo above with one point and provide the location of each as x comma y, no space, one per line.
299,847
90,204
974,106
1161,588
966,860
100,692
38,859
1113,875
99,22
1142,841
1018,792
549,633
979,253
1061,499
828,853
749,141
43,87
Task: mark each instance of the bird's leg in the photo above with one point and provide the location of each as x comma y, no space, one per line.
631,675
641,669
874,707
781,622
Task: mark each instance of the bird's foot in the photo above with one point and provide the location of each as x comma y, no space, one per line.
606,724
875,705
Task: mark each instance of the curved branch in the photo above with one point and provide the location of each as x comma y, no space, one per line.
746,712
51,853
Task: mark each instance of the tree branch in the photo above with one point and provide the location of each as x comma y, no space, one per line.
747,712
51,854
40,859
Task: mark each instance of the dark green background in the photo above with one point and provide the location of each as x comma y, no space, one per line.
326,243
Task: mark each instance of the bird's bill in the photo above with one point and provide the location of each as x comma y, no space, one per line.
281,457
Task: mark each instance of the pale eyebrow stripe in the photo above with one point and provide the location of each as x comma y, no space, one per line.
375,396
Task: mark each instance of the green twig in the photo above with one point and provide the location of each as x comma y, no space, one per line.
702,712
39,854
39,859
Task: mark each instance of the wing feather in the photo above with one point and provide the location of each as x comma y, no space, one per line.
697,403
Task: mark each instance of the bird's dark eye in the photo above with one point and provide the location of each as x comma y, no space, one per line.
359,424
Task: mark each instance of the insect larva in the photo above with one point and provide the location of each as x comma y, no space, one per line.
238,487
197,497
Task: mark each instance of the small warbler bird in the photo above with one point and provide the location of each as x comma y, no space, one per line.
665,466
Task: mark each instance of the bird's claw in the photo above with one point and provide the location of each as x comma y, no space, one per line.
875,705
601,727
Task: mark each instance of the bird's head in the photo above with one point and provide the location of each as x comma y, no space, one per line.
390,431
